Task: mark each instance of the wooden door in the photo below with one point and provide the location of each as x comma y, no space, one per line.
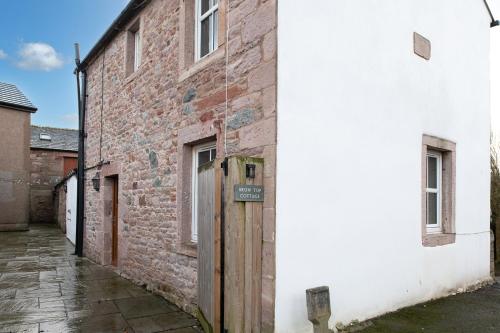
209,248
114,249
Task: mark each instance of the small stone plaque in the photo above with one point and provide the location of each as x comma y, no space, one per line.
250,193
421,46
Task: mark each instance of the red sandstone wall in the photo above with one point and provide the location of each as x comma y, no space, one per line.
47,170
14,169
147,118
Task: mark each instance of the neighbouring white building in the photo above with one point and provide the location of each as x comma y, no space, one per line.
361,120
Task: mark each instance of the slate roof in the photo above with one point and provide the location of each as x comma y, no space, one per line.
12,97
60,138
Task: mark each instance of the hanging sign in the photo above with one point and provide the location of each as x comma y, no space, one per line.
250,193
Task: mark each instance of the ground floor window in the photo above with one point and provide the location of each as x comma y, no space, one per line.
202,154
438,191
433,191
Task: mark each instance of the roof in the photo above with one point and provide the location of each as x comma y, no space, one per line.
65,179
54,138
12,97
129,12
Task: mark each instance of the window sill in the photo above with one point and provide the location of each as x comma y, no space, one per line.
132,76
189,249
201,64
437,239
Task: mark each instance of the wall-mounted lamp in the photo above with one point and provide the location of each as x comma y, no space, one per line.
96,182
251,171
494,22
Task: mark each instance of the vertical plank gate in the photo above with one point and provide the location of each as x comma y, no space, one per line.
229,249
209,246
243,249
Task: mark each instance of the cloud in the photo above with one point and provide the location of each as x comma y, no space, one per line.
39,56
71,120
3,55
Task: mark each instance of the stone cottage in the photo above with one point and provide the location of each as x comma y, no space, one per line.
15,118
373,133
53,155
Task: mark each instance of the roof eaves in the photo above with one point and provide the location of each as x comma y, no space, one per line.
67,150
18,107
133,7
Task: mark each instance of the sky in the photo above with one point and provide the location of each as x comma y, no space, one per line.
37,50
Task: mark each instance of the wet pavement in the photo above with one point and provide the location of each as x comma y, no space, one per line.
45,288
475,312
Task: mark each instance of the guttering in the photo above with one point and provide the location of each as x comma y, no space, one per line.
134,7
18,107
494,22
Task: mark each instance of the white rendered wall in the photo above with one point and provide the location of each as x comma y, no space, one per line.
353,103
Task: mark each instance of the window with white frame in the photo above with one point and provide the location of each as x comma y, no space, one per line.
133,49
438,191
137,49
207,22
434,191
202,154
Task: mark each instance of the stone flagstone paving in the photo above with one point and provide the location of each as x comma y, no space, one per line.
45,288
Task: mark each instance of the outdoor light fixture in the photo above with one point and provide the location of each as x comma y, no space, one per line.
96,182
251,171
494,22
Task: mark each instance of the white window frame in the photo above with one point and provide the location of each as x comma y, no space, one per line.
213,34
194,189
45,137
436,228
137,49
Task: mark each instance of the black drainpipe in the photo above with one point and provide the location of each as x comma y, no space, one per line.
80,198
494,22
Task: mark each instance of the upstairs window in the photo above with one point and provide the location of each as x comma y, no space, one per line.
137,49
134,47
207,23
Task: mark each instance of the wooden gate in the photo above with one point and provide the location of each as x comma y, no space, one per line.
229,248
209,246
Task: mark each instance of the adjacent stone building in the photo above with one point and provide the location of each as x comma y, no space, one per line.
156,97
53,155
15,118
374,139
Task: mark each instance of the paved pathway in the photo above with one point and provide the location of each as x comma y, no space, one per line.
476,312
44,288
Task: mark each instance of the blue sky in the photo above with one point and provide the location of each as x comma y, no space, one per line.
37,52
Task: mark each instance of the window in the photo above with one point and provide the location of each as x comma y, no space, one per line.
438,191
202,154
137,50
45,137
433,191
134,47
207,22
